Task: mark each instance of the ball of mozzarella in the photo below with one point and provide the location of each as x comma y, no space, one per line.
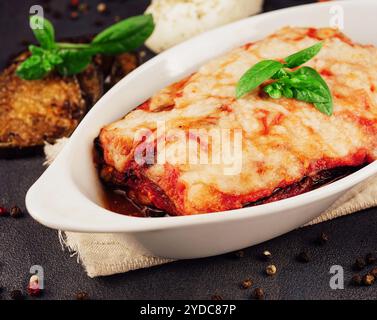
179,20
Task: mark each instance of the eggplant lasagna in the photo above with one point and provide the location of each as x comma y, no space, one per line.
288,147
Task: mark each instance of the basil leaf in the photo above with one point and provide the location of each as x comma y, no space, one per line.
126,35
310,95
36,50
256,75
309,89
54,57
327,107
304,84
288,92
73,61
51,55
273,93
310,72
43,31
280,74
274,90
73,58
303,56
32,68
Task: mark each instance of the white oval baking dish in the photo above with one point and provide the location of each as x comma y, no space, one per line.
68,195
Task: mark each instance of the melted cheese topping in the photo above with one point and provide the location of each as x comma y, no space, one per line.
283,140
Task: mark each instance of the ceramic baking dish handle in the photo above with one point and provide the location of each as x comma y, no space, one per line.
56,201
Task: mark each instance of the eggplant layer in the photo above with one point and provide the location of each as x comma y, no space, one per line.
316,181
130,184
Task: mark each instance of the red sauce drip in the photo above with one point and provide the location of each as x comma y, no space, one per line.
268,125
247,46
326,72
226,108
145,106
118,202
312,33
164,108
345,39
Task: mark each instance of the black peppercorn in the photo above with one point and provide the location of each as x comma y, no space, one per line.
303,257
82,295
368,279
258,294
356,280
16,212
99,23
370,259
246,284
322,239
17,295
57,15
359,264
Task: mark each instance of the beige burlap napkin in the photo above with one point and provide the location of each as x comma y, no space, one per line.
102,255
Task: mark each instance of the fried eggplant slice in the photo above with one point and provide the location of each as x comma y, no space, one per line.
91,84
32,112
39,111
123,64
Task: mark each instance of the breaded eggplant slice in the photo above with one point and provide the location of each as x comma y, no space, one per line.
91,84
38,111
123,64
32,112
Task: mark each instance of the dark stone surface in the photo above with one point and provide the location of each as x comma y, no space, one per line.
24,242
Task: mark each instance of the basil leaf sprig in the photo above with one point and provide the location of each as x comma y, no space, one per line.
256,75
72,58
304,84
